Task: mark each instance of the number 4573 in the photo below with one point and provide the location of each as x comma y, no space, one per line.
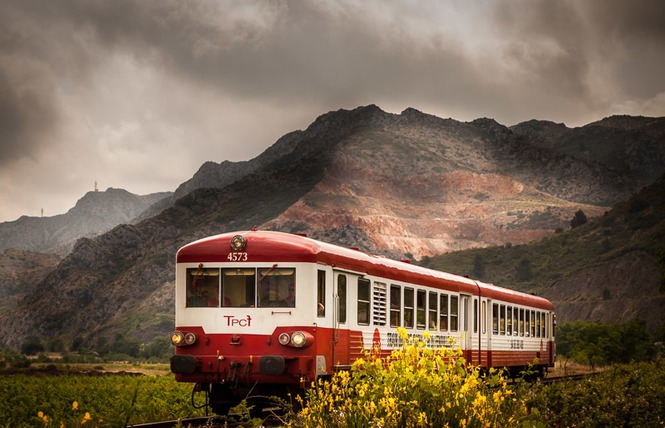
237,257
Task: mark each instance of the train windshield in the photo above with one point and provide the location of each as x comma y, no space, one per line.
241,287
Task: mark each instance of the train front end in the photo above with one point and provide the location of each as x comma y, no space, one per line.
243,325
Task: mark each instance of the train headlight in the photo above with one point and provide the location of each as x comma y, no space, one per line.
177,338
238,243
284,339
190,338
299,339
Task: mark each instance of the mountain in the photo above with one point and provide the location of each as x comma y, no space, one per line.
630,145
407,185
611,269
94,214
21,272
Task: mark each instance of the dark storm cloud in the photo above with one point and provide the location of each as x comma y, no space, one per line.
272,50
590,40
122,82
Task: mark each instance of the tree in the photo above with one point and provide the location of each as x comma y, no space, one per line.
478,270
589,342
524,272
32,346
579,219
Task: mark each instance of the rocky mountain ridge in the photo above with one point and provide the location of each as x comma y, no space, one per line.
406,186
95,213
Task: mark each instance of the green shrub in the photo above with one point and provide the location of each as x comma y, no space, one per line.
113,400
624,396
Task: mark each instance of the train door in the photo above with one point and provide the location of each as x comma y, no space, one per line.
340,336
466,338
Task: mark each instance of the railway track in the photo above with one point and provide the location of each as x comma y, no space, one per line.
573,377
189,422
207,422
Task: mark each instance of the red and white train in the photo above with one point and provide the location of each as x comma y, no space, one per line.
265,313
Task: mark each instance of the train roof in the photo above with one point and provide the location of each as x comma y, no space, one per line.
271,246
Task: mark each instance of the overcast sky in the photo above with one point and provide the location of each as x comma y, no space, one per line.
138,94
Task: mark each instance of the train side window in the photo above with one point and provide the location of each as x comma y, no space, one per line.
537,324
421,309
433,302
341,295
238,288
495,318
516,312
521,321
547,325
483,321
475,315
542,324
502,319
454,311
277,287
202,287
509,320
363,301
443,315
395,305
408,307
321,293
533,323
527,322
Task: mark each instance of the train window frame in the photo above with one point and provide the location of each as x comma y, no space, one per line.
443,312
342,284
521,316
321,293
202,287
433,310
454,313
509,320
409,309
421,309
395,305
276,287
233,290
364,296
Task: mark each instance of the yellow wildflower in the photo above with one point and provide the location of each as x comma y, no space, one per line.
75,405
86,418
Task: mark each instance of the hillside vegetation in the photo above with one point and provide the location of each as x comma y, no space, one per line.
633,232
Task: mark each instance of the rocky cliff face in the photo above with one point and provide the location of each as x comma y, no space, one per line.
406,185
